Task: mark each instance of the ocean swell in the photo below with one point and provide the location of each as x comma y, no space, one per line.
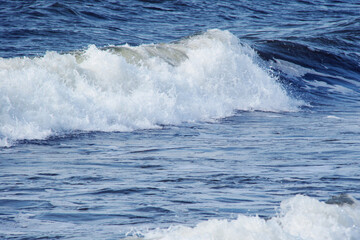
122,88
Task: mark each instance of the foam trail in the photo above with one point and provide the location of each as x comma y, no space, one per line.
123,88
300,218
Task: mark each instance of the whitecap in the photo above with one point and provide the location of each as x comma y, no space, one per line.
122,88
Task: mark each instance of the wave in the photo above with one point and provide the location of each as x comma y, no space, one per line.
299,218
122,88
330,75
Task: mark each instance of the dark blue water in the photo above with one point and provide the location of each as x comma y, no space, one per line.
179,119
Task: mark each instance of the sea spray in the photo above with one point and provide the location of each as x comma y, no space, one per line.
300,218
122,88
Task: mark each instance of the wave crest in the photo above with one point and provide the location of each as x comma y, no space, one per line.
202,77
300,217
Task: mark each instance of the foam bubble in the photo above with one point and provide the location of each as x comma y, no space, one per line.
122,88
300,218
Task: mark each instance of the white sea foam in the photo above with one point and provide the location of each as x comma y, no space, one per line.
122,88
290,68
300,218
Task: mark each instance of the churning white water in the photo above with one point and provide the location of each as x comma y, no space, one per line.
123,88
300,218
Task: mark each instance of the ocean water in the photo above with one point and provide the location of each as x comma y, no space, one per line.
179,119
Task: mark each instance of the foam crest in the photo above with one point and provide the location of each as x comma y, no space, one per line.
300,218
123,88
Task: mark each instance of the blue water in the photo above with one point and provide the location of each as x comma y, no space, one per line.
179,119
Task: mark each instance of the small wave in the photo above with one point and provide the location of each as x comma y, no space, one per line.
122,88
332,75
300,218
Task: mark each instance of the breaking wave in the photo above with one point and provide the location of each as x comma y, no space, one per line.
122,88
299,218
